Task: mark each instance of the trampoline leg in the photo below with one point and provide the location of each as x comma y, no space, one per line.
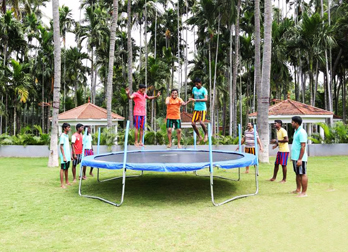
102,199
236,197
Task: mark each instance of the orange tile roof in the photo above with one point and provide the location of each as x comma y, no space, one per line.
87,111
187,117
290,107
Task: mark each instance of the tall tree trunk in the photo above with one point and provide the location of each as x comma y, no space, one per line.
230,83
53,156
75,98
186,59
14,119
92,78
263,100
235,72
130,57
42,103
316,82
210,84
344,96
215,71
257,67
111,63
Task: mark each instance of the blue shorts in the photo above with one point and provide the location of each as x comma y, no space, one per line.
282,158
139,122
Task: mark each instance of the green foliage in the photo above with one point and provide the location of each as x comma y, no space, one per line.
338,133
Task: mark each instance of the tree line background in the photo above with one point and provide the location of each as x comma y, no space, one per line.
308,57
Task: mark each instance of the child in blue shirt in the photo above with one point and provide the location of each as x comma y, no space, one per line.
65,154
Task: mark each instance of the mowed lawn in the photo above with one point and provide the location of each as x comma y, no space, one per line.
173,211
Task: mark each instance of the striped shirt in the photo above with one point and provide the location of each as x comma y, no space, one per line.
249,138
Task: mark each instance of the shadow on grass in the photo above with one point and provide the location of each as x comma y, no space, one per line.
166,188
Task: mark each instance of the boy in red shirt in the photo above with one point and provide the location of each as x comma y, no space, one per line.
139,112
76,146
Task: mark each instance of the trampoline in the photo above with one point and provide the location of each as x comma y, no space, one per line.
183,160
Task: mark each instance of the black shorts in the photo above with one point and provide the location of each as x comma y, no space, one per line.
65,165
77,160
174,122
300,170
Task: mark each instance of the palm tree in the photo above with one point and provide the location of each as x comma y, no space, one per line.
18,86
53,156
65,24
257,66
130,56
111,62
263,100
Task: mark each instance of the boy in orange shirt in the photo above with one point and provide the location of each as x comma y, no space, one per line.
173,116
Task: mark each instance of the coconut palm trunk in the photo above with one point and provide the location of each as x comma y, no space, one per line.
53,156
263,100
235,71
257,67
130,56
230,82
111,62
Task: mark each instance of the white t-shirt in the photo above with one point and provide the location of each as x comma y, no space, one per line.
87,142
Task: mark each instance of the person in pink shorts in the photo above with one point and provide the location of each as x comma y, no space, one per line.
139,112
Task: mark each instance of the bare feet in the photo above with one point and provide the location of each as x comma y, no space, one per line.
199,140
141,144
68,183
74,181
272,179
169,146
179,146
63,186
282,181
136,144
295,192
205,137
247,171
84,177
91,174
302,195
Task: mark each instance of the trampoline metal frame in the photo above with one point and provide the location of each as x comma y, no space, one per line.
211,171
124,170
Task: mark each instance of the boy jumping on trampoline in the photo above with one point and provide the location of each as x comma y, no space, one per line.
199,97
173,116
64,154
139,113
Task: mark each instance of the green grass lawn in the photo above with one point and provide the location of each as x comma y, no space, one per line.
173,211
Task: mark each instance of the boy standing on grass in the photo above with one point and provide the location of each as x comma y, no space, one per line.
283,152
64,154
173,116
87,142
139,112
299,156
76,145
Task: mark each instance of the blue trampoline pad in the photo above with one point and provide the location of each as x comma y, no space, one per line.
170,160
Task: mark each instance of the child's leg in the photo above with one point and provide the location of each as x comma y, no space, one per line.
169,134
178,132
84,172
62,178
136,136
91,172
66,177
141,137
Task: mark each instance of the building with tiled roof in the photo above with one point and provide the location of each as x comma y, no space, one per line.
88,114
286,109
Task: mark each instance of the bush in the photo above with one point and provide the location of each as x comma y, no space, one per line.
338,133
